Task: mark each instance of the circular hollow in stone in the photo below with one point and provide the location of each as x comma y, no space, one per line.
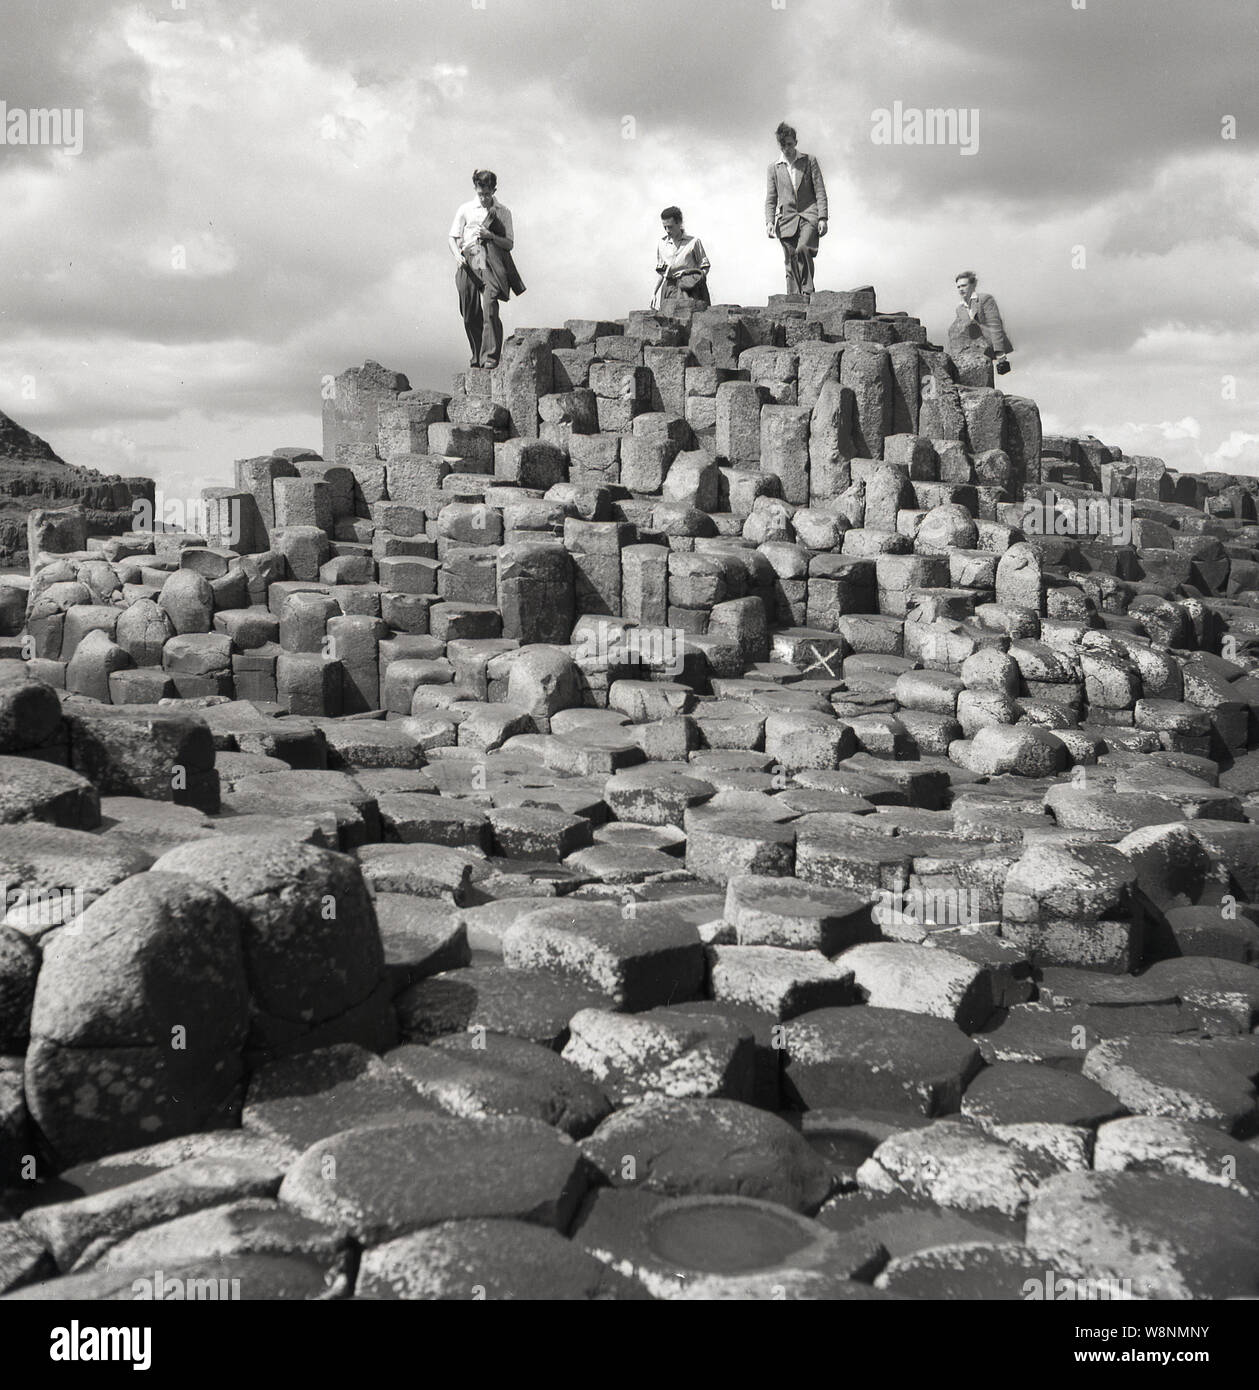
725,1239
846,1148
666,838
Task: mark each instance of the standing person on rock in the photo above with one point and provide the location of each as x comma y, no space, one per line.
977,324
681,263
481,241
795,209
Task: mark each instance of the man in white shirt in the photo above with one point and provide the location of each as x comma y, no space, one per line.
481,239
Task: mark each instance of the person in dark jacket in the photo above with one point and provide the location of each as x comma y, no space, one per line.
977,323
795,209
481,240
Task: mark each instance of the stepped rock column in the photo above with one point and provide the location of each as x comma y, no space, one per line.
55,531
536,592
525,374
233,518
866,370
595,548
1023,441
645,584
905,367
785,449
354,642
668,373
402,423
257,477
1020,579
739,422
940,408
887,491
831,447
984,408
351,411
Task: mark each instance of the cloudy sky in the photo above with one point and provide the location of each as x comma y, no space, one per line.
264,192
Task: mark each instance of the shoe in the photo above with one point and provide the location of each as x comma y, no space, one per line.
490,363
473,365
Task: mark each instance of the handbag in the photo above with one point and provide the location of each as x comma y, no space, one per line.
687,281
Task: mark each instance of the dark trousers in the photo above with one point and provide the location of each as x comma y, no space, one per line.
677,293
798,253
479,306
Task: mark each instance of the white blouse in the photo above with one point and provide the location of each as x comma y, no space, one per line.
682,258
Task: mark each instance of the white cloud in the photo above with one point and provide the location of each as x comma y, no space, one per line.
1169,430
1180,443
310,172
1239,453
113,450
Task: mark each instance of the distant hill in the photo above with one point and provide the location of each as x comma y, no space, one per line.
32,475
19,443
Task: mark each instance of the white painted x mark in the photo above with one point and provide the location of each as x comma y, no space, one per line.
822,661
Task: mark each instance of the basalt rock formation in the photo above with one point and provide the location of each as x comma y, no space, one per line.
719,806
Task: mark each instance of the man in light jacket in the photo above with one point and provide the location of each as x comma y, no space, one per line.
795,209
977,326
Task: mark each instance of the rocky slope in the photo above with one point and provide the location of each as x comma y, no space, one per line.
33,475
